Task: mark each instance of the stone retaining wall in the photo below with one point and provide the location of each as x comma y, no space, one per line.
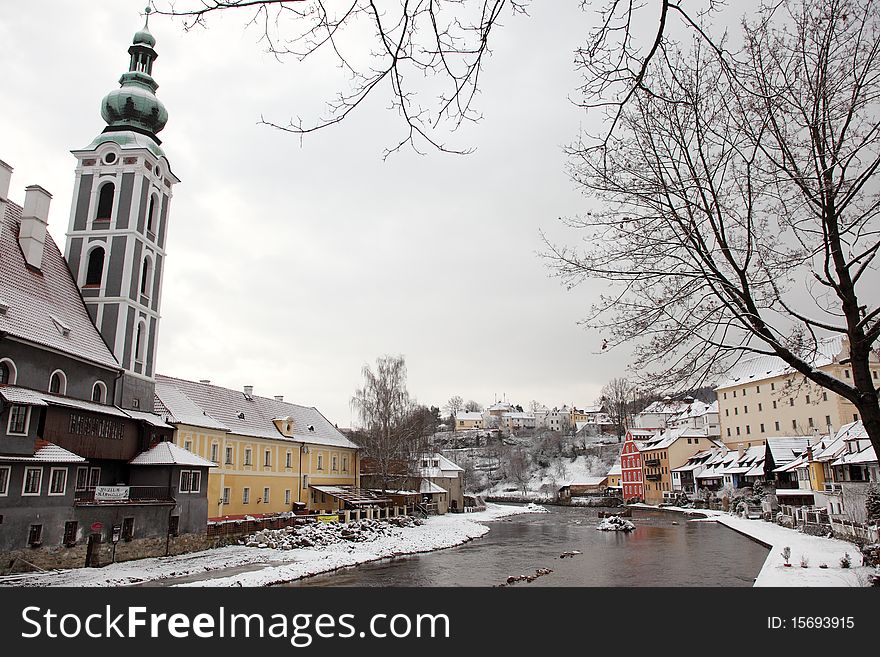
75,557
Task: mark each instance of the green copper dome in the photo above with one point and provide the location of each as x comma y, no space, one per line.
134,105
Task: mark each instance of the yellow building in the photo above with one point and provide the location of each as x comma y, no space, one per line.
269,452
665,452
763,397
465,420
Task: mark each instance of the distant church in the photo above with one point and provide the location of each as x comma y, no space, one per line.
87,470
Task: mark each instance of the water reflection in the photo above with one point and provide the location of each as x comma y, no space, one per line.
664,550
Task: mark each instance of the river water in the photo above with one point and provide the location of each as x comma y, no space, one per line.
664,550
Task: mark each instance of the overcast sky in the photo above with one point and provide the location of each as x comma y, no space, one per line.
291,265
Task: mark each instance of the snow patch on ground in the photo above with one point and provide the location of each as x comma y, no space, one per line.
269,566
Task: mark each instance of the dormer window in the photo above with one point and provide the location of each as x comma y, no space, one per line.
63,328
99,392
7,372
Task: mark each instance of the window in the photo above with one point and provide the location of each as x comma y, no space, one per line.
151,215
267,458
247,456
827,420
808,399
846,373
737,431
794,424
728,431
748,429
774,404
190,481
320,461
7,372
762,427
94,477
333,467
215,452
99,392
35,535
82,479
18,420
245,495
95,268
734,394
266,495
725,395
736,411
4,480
758,389
777,425
127,529
287,496
810,422
146,277
824,396
727,412
58,383
33,480
288,460
760,407
228,456
772,386
227,492
187,445
140,342
105,202
345,464
305,481
69,539
855,417
57,481
791,401
744,391
746,410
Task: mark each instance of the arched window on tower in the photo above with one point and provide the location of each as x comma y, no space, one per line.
146,277
151,215
105,202
139,342
95,268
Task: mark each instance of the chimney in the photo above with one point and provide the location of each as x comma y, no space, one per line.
279,398
249,391
34,219
740,448
5,179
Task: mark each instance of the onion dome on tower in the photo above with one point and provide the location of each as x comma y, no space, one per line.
134,105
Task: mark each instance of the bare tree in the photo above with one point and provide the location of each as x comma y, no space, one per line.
616,398
472,407
739,203
453,406
426,57
392,425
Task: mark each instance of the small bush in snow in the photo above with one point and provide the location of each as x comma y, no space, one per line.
845,561
786,554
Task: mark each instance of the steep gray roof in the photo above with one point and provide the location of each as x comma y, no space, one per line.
34,297
197,403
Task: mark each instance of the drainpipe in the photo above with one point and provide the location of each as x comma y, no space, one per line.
170,513
300,487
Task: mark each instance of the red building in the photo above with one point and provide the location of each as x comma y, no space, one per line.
631,464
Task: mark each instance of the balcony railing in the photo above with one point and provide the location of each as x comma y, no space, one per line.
653,476
136,495
652,463
832,487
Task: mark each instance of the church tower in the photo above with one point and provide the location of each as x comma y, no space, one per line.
119,222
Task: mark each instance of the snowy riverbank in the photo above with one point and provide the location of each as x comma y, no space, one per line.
237,565
816,549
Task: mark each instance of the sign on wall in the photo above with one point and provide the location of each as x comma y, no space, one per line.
111,493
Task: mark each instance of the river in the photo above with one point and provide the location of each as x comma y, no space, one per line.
664,550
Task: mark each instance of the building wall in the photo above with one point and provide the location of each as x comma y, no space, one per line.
35,366
256,477
671,457
783,406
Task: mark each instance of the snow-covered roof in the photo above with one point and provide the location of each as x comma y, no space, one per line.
469,416
863,456
44,305
760,367
428,486
615,470
444,468
587,481
785,449
47,453
206,405
670,436
167,453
